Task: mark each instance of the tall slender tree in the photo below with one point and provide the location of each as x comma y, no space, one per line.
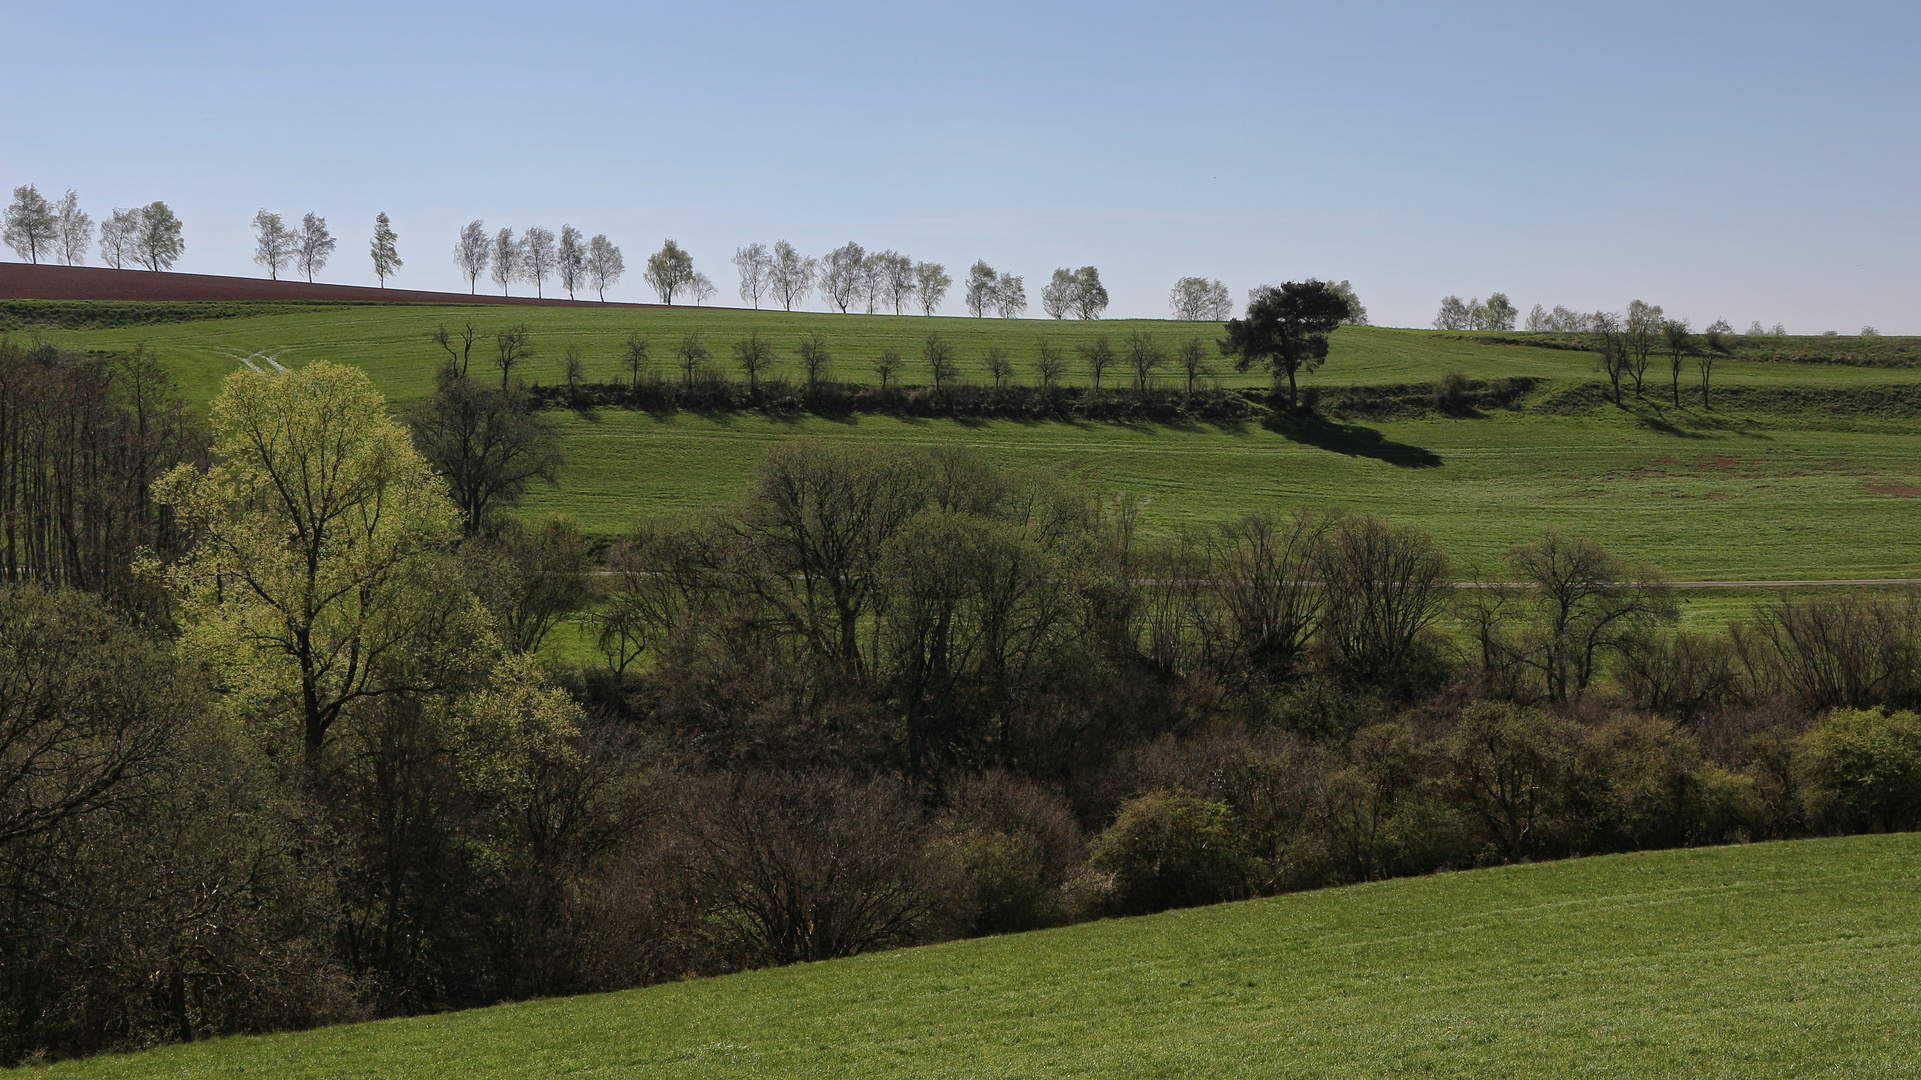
274,244
75,233
315,245
604,264
792,275
117,237
538,258
570,260
472,253
384,248
930,286
754,265
509,259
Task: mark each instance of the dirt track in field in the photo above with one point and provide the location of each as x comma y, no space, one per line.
23,281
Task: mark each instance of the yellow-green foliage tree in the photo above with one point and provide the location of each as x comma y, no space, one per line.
321,573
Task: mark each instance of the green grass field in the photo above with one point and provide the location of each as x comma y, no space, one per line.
1771,960
1723,495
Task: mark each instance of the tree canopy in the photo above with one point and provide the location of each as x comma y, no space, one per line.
1286,330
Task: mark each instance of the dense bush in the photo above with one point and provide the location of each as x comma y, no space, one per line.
1863,769
1170,850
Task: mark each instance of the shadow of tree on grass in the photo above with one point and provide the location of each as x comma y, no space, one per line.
1353,440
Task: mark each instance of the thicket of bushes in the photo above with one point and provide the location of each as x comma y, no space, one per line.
298,765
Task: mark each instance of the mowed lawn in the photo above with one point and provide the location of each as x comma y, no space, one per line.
1700,494
1772,960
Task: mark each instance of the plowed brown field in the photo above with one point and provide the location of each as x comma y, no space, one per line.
23,281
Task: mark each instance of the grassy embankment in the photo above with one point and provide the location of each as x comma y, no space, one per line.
1795,473
1782,959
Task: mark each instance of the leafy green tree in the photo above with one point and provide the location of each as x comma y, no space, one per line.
383,248
1286,330
1170,850
322,575
669,270
157,241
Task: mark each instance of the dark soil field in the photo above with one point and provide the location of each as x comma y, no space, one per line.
22,281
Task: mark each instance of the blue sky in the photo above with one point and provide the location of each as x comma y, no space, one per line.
1747,161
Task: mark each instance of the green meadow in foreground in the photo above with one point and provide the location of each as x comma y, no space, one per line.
1782,959
1812,489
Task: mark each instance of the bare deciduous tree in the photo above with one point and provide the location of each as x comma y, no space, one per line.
1680,342
901,281
570,260
754,357
1099,355
274,243
538,258
998,365
1192,358
1386,584
472,253
690,356
755,267
886,366
457,360
314,246
702,288
604,264
1050,364
1606,327
636,356
512,347
942,360
815,359
792,275
1144,355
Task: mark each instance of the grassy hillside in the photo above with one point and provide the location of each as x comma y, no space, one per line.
1787,959
1805,468
392,342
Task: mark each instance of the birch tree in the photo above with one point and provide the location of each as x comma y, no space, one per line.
604,264
755,267
538,258
792,275
930,286
315,245
842,275
75,233
273,244
472,253
117,237
508,255
570,261
670,270
32,226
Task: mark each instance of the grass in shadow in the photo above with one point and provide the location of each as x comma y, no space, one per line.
1353,440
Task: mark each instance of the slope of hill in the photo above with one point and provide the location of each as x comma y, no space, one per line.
22,281
1783,959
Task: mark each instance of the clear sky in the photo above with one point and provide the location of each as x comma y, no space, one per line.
1746,160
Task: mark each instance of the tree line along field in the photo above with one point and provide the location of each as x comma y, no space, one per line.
1777,959
1785,478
